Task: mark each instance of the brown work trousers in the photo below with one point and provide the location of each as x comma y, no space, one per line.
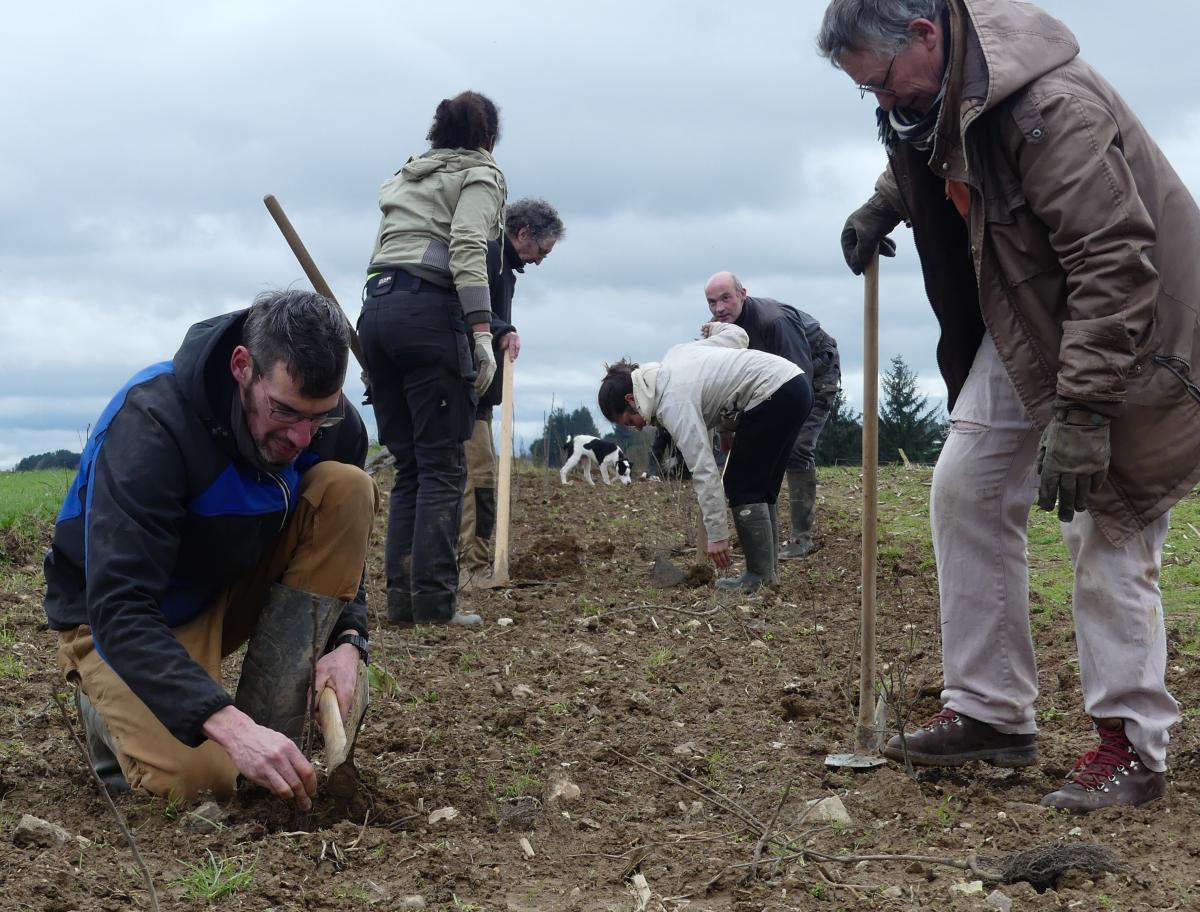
479,502
322,550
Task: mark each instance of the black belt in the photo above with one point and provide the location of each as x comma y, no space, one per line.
385,281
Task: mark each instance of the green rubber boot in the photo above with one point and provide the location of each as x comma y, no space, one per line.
755,532
802,498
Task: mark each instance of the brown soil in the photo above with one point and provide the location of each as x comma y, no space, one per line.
682,716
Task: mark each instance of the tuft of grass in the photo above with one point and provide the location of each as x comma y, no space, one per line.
382,681
12,668
215,878
714,763
523,784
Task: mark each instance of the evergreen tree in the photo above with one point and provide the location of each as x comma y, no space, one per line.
906,422
561,424
840,442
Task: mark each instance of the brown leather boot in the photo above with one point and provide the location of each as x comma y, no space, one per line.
1112,774
952,739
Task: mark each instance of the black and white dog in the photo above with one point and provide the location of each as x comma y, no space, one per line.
593,451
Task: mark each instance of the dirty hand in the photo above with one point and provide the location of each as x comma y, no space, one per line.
1072,459
511,343
719,552
866,229
337,669
485,360
705,330
263,755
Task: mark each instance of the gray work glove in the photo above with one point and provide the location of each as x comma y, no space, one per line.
1073,459
485,360
866,229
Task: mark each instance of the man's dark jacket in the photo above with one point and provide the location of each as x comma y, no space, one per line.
782,330
503,264
164,514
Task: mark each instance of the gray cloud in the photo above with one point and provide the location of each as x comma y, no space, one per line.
676,139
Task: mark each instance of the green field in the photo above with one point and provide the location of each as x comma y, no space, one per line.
29,500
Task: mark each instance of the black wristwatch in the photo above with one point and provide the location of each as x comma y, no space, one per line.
360,643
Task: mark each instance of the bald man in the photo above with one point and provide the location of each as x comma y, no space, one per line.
792,334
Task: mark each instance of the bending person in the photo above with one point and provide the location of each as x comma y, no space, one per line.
716,383
426,336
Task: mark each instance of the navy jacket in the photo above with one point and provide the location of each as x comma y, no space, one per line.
164,514
795,336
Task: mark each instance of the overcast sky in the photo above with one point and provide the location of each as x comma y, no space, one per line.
676,139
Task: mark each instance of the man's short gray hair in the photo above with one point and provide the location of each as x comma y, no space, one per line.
537,215
871,25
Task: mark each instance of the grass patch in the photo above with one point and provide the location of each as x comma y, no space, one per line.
12,668
215,878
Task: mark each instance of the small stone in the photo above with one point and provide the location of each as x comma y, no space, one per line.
777,745
686,749
666,574
504,622
375,891
915,868
589,823
1075,831
415,901
206,818
563,790
584,649
967,889
693,624
757,644
498,688
33,831
522,691
446,813
591,622
998,901
526,847
795,687
828,810
893,893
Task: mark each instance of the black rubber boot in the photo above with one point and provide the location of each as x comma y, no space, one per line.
802,498
276,673
775,546
100,746
753,523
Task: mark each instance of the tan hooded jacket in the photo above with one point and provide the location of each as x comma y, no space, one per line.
1082,248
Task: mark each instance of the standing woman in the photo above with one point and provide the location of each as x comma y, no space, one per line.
425,329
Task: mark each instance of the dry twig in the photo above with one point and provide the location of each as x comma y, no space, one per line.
120,818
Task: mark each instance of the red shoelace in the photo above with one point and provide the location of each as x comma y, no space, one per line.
945,717
1098,766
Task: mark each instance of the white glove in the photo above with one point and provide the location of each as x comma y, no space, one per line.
486,360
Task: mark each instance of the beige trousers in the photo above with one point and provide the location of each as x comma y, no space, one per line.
479,501
984,485
322,550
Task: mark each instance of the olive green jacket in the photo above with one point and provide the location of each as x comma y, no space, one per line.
439,212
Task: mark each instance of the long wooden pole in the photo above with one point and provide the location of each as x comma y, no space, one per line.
310,268
866,734
504,484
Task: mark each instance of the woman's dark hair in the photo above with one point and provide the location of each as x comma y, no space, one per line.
466,121
307,332
616,385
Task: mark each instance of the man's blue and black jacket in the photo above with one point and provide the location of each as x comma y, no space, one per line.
164,514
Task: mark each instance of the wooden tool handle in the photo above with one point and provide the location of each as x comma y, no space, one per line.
504,487
330,717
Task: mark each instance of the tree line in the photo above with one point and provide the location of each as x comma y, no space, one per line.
907,424
59,459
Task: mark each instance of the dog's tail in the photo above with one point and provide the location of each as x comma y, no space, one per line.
567,443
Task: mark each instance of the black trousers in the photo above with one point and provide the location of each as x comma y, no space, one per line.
766,435
415,343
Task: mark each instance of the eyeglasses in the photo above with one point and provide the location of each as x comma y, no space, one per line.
543,252
882,88
285,415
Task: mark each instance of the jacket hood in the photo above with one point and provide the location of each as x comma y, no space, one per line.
446,161
202,365
1019,43
645,380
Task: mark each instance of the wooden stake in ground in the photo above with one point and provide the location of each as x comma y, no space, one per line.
504,484
310,269
867,736
867,733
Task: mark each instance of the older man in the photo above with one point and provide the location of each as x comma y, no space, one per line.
1059,253
220,493
797,337
531,229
